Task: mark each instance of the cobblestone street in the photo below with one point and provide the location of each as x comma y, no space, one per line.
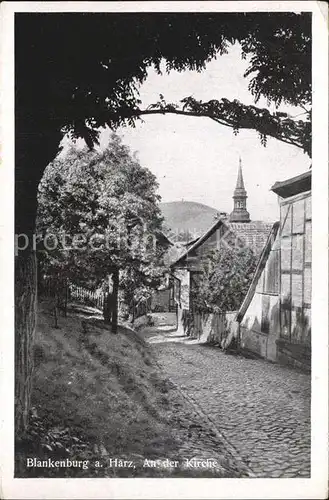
259,410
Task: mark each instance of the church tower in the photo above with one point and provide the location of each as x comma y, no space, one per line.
240,213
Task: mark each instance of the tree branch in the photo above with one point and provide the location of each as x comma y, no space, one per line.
231,114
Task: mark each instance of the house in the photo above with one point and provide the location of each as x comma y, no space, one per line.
259,314
158,244
275,317
227,231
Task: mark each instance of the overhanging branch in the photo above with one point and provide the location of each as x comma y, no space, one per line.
231,114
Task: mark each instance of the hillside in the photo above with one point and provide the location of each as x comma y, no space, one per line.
182,216
97,396
94,393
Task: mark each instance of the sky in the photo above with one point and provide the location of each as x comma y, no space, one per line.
196,159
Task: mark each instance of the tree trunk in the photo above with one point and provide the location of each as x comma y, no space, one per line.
25,320
108,300
115,278
107,307
36,145
25,296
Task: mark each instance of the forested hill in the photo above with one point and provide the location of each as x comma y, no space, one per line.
183,216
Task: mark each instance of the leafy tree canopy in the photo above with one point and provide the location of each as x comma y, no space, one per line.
99,211
82,71
225,280
78,72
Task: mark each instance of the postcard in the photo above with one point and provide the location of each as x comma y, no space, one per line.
164,250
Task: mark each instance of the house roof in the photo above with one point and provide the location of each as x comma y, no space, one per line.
162,238
199,241
253,234
294,185
191,242
259,269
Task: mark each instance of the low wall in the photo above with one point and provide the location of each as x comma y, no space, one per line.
260,326
212,328
252,341
295,355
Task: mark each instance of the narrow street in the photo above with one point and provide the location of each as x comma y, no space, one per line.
258,411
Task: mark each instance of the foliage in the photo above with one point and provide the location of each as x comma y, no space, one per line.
45,441
226,277
101,209
238,116
183,235
81,71
76,72
139,282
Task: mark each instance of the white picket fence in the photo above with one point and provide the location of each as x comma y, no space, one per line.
87,297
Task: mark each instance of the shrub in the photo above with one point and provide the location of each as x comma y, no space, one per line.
225,280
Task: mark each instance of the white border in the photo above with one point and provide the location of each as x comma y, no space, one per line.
316,487
164,6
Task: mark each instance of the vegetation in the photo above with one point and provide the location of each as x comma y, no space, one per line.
98,211
183,236
93,80
237,116
98,397
76,72
93,392
226,277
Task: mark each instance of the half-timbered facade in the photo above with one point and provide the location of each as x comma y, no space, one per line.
275,317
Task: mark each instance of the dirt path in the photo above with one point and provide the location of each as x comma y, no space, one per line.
253,414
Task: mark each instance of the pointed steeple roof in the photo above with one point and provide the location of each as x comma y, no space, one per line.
240,213
239,188
239,182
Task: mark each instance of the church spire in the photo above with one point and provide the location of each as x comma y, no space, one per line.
239,182
240,213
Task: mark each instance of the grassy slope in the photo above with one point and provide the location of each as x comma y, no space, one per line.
101,388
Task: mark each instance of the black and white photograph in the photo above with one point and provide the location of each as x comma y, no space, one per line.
168,186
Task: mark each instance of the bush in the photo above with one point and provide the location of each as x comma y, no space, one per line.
225,280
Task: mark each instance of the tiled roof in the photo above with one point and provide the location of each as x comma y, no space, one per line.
254,233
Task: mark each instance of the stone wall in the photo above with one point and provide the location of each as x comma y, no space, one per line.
214,328
295,355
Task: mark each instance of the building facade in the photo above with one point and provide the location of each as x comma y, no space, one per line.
259,314
275,317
